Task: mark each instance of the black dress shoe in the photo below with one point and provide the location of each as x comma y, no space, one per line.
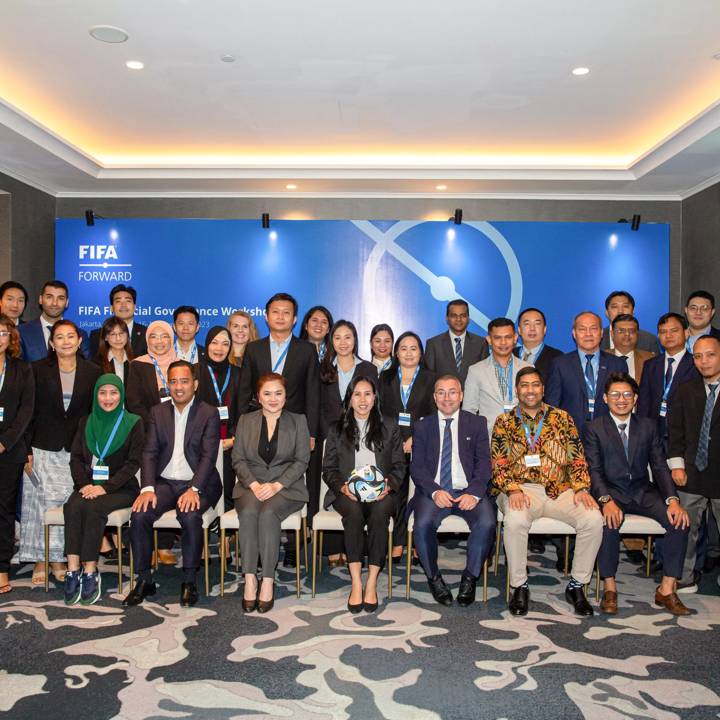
141,590
354,608
264,606
576,597
188,594
656,566
536,545
466,592
440,591
636,557
520,601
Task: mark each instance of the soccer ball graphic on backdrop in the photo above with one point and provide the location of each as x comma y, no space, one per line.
366,483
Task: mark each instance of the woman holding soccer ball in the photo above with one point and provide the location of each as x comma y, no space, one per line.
364,465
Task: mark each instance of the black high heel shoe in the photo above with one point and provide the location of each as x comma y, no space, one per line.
368,606
354,608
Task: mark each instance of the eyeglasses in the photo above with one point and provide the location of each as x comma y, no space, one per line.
4,334
153,336
625,394
118,334
447,393
699,308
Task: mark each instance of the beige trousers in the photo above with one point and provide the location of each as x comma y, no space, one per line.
588,525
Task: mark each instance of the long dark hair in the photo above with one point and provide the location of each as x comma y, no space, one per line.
101,358
308,315
395,362
328,371
347,426
380,328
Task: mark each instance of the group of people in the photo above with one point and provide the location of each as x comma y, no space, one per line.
458,425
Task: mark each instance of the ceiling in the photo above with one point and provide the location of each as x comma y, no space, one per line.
372,98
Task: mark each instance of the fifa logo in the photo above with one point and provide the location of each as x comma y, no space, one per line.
98,252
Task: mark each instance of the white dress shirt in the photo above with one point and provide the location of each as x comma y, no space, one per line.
459,480
618,422
178,468
118,365
460,337
677,358
630,361
276,350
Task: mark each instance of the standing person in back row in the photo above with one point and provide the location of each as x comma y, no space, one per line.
186,323
453,352
621,302
123,299
296,360
532,328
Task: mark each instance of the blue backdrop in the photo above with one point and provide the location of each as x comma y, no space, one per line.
401,273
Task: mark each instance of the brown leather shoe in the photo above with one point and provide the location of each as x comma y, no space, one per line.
671,603
165,557
608,604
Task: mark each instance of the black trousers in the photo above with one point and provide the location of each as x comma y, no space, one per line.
400,514
228,476
356,516
85,521
10,477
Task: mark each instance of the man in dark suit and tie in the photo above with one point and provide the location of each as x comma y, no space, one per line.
700,311
450,467
619,447
453,352
694,447
35,335
577,378
532,328
179,470
123,299
621,302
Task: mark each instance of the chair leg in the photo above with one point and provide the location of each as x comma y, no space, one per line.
497,547
206,552
297,562
409,563
305,543
649,556
567,555
47,557
118,542
485,580
320,550
222,562
155,545
390,566
314,554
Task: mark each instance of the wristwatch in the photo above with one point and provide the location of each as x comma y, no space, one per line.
672,497
603,499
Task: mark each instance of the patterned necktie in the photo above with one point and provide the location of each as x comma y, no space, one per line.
701,459
446,458
589,372
458,352
669,372
526,355
624,438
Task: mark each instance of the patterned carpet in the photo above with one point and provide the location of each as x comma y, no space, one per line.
311,660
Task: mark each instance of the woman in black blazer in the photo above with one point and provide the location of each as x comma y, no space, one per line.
114,349
218,383
361,437
406,394
17,400
64,383
106,456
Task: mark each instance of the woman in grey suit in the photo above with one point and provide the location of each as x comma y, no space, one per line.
270,457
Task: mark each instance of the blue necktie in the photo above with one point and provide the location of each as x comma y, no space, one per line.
669,372
701,459
458,352
624,438
589,372
446,458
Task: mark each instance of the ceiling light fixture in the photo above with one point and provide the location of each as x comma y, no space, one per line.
265,220
108,34
227,58
578,71
291,186
134,65
441,187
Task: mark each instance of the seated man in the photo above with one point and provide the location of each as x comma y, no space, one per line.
539,470
619,448
450,467
178,471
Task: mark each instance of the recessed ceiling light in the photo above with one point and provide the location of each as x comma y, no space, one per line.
580,71
227,58
441,187
108,34
134,65
291,186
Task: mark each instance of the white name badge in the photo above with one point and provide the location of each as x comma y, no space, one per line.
223,412
663,409
165,399
532,461
404,419
2,414
591,405
508,407
101,474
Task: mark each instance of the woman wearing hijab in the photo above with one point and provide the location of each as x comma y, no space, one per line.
146,383
105,458
217,385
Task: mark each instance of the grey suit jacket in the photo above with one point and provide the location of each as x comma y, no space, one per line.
646,341
291,459
440,355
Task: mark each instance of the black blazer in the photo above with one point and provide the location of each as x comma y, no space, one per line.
301,374
544,361
420,402
52,428
653,382
17,398
611,473
684,422
646,340
138,341
141,389
206,393
124,463
331,404
201,442
126,368
339,460
440,354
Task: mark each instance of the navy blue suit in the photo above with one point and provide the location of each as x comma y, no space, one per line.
566,387
32,341
652,384
474,452
627,481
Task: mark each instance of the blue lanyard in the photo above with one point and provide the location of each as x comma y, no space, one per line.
591,387
405,396
219,393
282,357
2,377
160,373
505,378
192,354
531,439
101,456
322,349
666,386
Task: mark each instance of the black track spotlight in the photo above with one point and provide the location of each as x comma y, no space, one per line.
457,216
89,218
623,220
635,223
265,220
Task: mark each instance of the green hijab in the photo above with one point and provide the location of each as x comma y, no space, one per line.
101,423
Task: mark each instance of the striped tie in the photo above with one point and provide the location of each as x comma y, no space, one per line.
458,352
701,459
446,458
624,438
